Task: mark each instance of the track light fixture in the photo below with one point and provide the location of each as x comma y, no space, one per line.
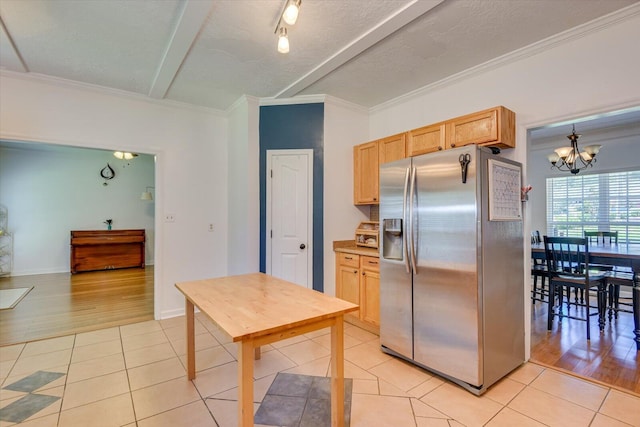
283,41
289,15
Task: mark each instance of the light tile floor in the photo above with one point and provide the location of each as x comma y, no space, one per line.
134,375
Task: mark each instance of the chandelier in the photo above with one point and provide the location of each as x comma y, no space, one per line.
571,159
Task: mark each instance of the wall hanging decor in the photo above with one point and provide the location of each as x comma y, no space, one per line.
107,173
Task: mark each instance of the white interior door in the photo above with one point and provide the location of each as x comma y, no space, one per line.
290,215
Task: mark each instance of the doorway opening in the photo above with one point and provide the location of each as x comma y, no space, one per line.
51,189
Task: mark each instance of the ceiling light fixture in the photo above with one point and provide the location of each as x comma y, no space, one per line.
123,155
571,159
283,41
289,15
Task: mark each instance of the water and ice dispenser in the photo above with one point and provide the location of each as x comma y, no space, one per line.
392,238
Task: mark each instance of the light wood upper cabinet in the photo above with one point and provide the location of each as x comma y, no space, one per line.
367,159
392,148
492,127
365,173
426,139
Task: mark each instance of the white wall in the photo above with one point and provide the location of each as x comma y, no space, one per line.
191,167
244,189
591,72
51,191
345,125
620,151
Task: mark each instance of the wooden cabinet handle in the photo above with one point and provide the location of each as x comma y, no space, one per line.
453,145
373,262
355,271
348,257
439,148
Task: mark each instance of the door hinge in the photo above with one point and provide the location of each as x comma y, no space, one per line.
271,173
271,233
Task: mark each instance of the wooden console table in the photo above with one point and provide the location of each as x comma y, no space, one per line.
257,309
105,250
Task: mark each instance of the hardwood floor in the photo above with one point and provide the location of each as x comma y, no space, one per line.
63,304
609,357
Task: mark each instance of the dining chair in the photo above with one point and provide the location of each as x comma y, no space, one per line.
602,237
538,270
568,268
616,279
616,276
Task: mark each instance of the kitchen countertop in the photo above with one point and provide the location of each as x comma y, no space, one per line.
349,246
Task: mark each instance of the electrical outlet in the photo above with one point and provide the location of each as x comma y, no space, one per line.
169,218
210,227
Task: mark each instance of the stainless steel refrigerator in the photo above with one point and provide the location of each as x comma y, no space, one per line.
452,270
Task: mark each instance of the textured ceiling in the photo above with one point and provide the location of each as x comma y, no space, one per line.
211,52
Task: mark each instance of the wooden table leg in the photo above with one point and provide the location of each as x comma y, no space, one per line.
337,373
257,353
245,383
191,341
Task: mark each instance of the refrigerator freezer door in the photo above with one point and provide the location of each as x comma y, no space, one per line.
446,293
396,322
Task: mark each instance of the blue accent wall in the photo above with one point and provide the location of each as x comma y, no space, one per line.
287,127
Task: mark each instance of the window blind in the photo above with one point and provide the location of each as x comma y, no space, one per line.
597,202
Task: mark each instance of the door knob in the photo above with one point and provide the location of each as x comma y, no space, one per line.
302,246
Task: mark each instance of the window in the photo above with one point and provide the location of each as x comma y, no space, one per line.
598,202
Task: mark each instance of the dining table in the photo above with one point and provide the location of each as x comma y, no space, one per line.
617,255
258,309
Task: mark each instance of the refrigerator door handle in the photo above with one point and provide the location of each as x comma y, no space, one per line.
405,247
412,245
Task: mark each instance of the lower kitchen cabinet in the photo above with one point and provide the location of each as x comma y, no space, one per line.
358,281
349,284
370,290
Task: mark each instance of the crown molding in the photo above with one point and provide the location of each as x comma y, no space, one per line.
533,49
71,84
303,99
339,102
315,99
244,99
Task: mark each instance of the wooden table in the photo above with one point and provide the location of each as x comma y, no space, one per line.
617,255
257,309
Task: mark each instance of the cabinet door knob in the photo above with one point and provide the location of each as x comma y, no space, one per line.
439,148
355,271
453,145
302,246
